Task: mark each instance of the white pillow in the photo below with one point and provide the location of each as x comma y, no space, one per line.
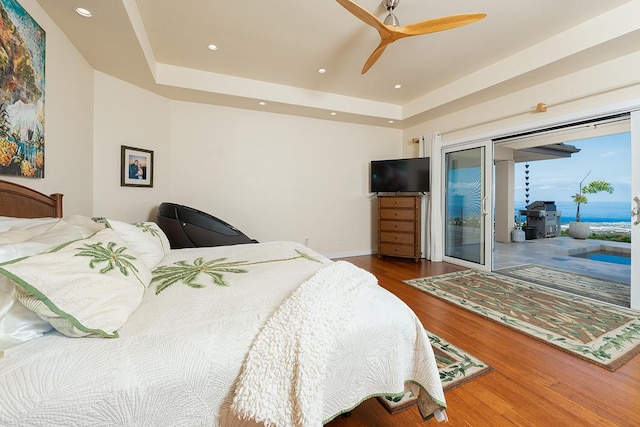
7,222
17,323
87,287
28,237
20,241
145,238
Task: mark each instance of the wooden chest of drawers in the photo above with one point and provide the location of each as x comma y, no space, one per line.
399,226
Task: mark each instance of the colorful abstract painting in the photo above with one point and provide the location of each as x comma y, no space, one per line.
22,64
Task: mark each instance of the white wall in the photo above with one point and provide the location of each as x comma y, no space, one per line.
273,176
68,120
573,95
127,115
278,177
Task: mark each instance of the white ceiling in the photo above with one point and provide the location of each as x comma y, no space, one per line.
272,50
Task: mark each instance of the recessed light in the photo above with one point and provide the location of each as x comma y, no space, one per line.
83,12
391,122
322,70
262,103
333,113
397,86
212,47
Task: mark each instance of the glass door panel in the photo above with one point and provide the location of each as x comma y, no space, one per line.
466,204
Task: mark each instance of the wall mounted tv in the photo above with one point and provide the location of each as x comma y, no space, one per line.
400,175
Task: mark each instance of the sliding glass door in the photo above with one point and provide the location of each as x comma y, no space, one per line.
635,209
467,205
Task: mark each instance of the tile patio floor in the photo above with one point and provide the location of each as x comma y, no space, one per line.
555,252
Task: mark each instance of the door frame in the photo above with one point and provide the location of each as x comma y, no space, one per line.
487,200
631,106
635,192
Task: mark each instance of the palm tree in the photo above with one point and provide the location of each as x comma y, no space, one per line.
591,188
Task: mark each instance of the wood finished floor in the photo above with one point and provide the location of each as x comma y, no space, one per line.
532,384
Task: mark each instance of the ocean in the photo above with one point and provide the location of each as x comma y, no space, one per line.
603,216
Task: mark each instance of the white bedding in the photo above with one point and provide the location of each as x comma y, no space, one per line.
179,355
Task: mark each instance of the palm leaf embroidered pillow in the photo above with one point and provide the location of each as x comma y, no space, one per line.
146,238
87,287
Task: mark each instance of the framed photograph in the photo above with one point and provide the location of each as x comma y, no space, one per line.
136,167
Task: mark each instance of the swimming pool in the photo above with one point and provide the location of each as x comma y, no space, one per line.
623,258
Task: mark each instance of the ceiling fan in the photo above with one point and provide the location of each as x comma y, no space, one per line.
391,31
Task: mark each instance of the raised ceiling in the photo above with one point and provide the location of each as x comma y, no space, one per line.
271,51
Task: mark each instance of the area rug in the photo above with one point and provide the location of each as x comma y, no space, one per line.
456,367
617,293
604,334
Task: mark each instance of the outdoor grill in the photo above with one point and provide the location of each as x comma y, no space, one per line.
543,220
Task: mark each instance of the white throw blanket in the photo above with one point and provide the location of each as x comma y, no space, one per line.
281,382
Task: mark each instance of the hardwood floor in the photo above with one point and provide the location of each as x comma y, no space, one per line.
532,384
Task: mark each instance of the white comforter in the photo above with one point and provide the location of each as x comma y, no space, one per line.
180,355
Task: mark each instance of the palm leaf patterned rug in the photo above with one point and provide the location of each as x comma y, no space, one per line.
455,366
592,287
604,334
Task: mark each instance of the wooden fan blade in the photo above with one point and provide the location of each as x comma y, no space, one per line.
375,55
438,24
389,34
362,14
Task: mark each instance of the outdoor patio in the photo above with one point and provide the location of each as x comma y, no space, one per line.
556,252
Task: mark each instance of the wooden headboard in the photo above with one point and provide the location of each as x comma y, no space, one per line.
22,202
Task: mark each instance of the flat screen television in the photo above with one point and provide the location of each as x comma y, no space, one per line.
400,175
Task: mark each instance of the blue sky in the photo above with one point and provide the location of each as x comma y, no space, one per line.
607,157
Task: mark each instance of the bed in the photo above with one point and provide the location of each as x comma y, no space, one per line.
101,323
